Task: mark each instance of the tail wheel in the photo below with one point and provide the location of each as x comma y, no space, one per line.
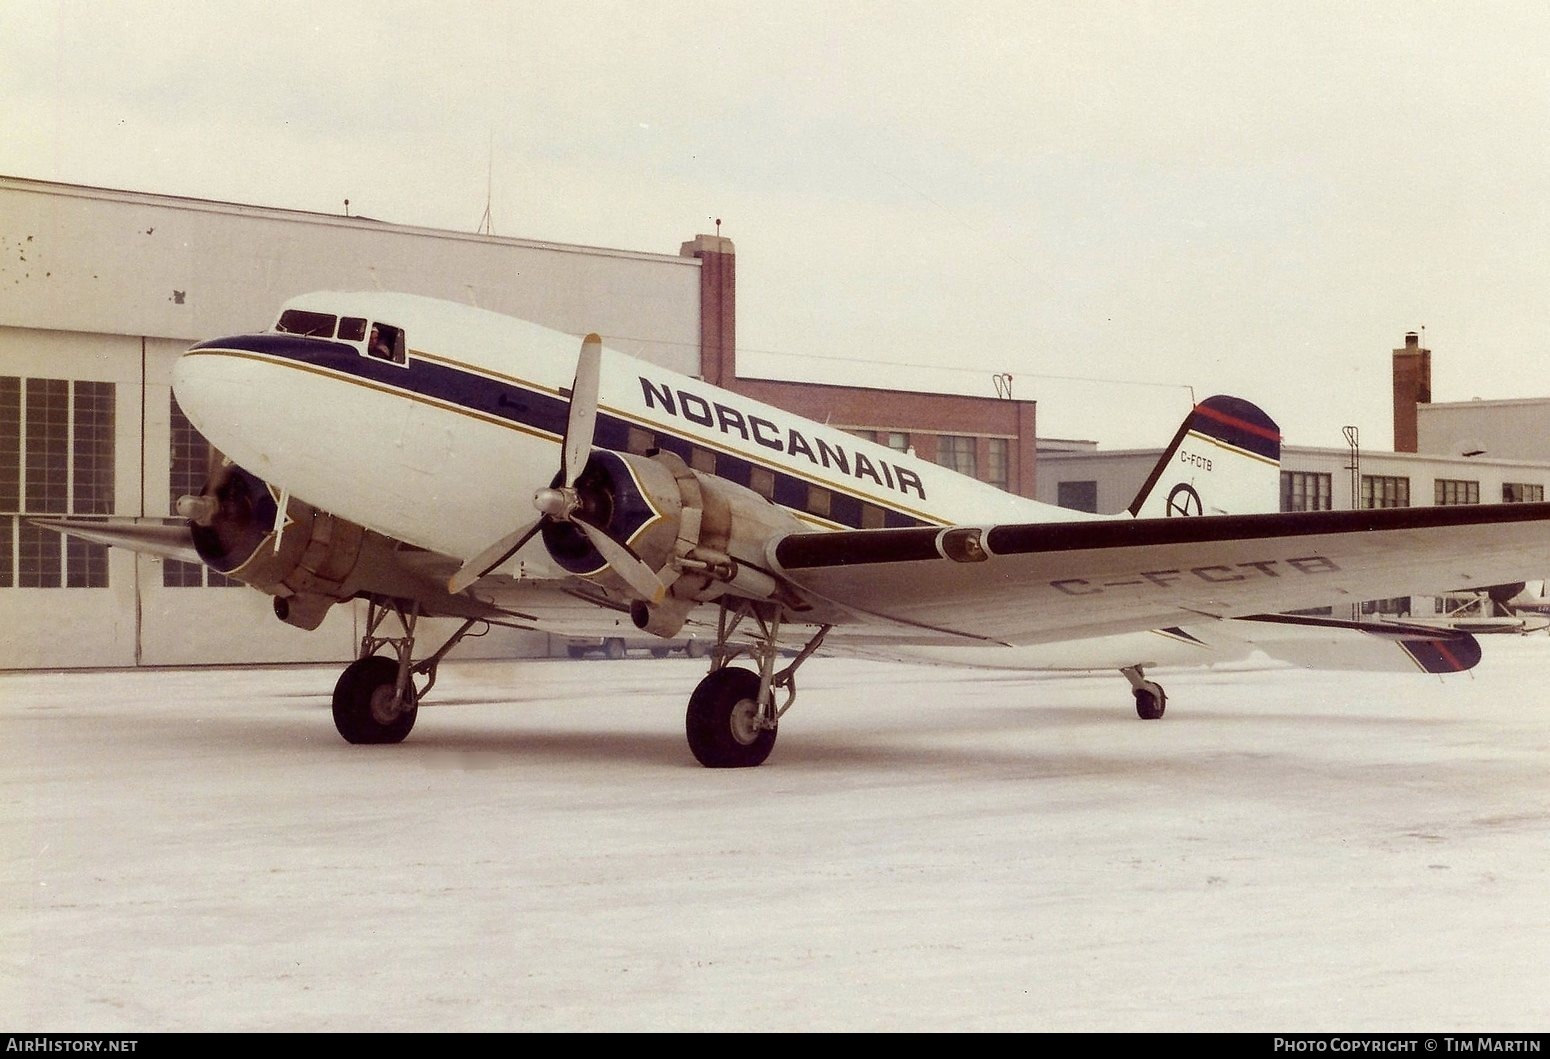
363,702
722,722
1150,702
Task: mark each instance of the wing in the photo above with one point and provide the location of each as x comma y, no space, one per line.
1047,582
151,537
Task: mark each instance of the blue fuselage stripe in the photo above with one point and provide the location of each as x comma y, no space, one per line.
533,409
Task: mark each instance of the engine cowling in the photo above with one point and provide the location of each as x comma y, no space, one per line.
233,526
704,535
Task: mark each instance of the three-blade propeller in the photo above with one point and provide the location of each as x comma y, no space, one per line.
563,503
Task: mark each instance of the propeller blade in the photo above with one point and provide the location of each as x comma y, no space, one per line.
579,428
624,562
491,557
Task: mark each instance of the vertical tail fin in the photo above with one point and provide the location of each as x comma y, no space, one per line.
1225,459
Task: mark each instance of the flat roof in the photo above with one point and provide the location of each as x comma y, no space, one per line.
185,202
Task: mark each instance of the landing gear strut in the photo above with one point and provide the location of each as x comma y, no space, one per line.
1151,700
376,700
732,718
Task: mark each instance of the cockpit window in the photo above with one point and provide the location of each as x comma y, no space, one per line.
302,322
386,343
352,328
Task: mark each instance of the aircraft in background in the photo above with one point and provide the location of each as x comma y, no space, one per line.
473,465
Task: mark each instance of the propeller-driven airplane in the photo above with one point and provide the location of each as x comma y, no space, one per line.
468,464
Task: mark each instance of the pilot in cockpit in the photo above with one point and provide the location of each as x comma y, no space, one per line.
377,346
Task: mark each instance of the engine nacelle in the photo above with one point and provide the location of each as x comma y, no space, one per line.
233,531
704,535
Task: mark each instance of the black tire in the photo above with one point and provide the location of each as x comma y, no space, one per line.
614,649
361,698
718,723
1150,705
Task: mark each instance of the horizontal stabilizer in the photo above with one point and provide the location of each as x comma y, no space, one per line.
1326,643
1444,656
174,541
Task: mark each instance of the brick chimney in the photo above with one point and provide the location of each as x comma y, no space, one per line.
718,305
1412,386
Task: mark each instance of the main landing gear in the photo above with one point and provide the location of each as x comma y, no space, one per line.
1151,700
732,717
376,700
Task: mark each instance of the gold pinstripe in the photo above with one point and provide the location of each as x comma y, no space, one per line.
415,395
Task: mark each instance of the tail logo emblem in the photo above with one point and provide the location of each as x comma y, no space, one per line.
1184,501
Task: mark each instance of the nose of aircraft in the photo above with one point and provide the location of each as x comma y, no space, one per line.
219,386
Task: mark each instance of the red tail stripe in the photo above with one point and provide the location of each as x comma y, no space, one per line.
1241,424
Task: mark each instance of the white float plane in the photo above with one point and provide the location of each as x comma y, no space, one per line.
458,462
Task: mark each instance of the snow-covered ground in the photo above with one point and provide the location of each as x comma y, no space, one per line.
927,849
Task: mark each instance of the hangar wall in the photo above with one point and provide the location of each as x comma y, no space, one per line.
1511,429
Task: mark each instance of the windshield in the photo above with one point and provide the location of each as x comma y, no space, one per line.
302,322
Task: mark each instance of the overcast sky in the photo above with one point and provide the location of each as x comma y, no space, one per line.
1216,196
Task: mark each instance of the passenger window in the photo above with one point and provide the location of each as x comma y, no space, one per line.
762,481
702,461
352,328
302,322
386,342
640,442
818,500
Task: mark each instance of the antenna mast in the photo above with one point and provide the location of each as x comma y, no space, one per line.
487,222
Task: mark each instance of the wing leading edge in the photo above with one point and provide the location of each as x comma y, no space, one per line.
1047,582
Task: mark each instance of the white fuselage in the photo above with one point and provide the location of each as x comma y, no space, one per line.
446,450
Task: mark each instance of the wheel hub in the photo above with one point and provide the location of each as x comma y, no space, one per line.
745,721
383,710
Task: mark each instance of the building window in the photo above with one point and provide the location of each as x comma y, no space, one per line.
1522,493
1398,606
186,476
956,453
1306,491
896,440
1453,491
56,458
1078,496
45,467
10,444
998,462
1385,491
91,461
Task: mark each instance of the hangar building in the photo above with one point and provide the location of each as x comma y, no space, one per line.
101,290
